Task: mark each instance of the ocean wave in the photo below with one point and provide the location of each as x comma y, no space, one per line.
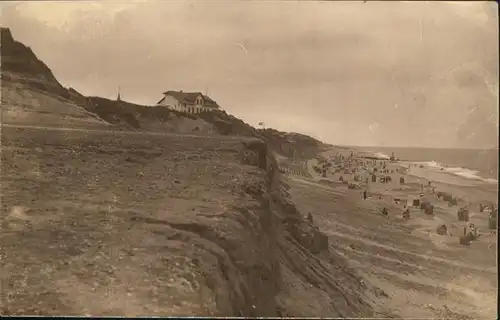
434,164
379,155
458,171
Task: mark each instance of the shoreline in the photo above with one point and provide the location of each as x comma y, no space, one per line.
473,173
479,174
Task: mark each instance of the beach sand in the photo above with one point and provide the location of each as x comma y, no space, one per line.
424,274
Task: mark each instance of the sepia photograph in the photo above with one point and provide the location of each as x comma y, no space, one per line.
329,159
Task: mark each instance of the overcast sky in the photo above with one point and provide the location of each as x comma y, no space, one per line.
375,73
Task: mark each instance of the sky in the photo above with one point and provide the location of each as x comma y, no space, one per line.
352,73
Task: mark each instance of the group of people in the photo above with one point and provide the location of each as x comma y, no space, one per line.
359,168
374,169
470,230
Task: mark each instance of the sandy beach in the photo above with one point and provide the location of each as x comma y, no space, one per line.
419,268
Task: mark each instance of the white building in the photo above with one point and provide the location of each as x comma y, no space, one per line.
189,102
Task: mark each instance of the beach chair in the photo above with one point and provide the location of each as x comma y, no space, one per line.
463,214
492,220
465,240
446,197
429,210
424,204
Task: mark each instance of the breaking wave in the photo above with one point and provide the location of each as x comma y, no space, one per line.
379,155
458,171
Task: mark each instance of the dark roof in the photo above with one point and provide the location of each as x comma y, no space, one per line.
189,98
161,100
209,102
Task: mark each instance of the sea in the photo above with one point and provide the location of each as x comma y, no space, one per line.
467,163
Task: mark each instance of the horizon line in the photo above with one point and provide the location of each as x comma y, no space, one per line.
412,147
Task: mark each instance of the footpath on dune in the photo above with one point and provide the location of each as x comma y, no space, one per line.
106,224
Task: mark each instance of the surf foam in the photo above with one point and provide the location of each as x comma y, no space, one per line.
458,171
379,155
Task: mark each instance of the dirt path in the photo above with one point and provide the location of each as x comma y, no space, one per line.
117,132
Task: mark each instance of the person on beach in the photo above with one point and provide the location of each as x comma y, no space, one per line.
406,213
384,211
364,195
470,231
310,217
442,230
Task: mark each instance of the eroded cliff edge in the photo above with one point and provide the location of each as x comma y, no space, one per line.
116,224
310,279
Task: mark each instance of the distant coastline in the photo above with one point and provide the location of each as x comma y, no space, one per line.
473,164
466,163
